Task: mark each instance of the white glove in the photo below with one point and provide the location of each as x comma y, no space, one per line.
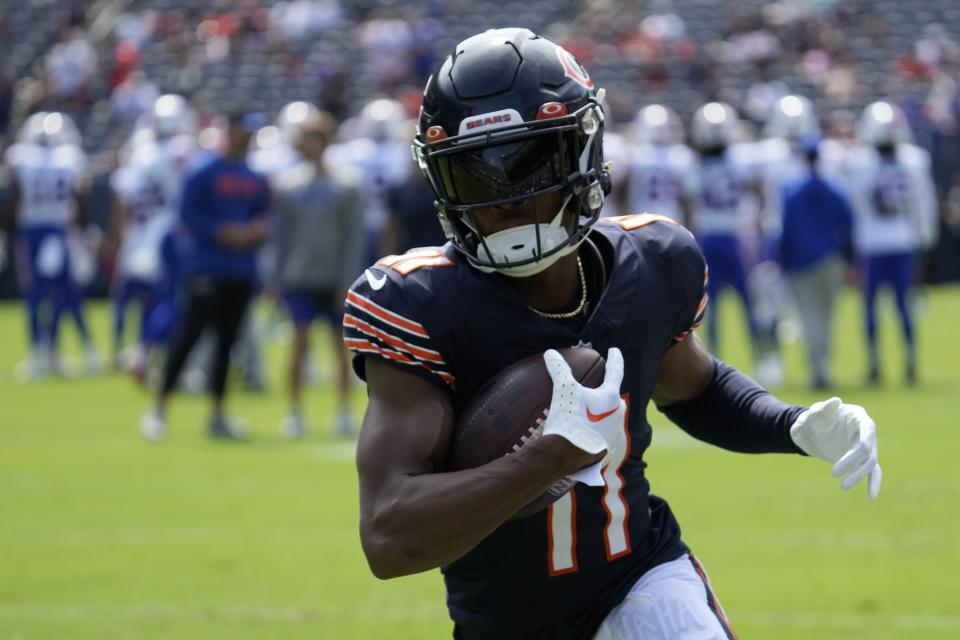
590,419
842,434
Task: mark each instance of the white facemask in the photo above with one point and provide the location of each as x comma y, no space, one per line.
520,243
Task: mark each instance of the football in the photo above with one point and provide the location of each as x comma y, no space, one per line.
508,412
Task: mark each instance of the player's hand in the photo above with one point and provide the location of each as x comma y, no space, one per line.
590,419
844,435
258,230
231,235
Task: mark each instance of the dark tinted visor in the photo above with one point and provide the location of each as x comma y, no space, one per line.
507,170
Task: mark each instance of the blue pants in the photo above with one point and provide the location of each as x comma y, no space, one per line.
899,271
726,269
132,289
50,289
305,306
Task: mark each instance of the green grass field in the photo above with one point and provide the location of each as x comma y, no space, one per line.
105,536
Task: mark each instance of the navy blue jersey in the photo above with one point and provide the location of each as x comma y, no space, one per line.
559,572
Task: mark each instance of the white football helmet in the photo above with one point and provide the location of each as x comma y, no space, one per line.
171,115
290,118
883,124
381,119
792,118
49,129
268,137
714,125
657,124
138,140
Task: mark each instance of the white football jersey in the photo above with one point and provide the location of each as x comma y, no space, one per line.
894,201
717,189
778,163
150,184
48,179
656,178
375,166
616,152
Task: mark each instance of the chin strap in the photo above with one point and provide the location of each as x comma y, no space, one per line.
521,242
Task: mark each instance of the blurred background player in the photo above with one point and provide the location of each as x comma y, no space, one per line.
896,216
411,215
49,181
658,164
815,248
224,207
147,199
779,160
274,146
714,191
372,148
319,244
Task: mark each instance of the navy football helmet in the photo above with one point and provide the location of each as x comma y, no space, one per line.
510,116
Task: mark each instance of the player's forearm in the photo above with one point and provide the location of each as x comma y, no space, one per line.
430,520
736,413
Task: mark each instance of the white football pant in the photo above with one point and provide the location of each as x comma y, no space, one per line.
672,601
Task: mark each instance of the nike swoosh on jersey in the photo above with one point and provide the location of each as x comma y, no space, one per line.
375,283
597,417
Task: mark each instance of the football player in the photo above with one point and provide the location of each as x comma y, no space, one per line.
509,139
47,192
274,146
715,190
780,160
895,217
372,152
658,163
146,201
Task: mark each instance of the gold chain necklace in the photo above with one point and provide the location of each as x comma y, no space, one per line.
568,314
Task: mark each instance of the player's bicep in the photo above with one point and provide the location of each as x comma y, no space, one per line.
406,430
685,371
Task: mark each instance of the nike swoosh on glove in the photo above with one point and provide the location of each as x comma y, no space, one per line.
844,435
590,419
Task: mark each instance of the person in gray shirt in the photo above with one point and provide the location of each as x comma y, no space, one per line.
318,239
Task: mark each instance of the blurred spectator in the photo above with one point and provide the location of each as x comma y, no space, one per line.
133,96
815,244
662,23
133,28
320,249
126,58
6,100
70,66
298,20
224,207
387,43
935,46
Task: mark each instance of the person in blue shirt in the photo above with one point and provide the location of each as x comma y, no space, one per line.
815,248
224,210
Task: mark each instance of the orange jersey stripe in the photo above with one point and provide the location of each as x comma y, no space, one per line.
389,317
417,352
638,220
365,346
